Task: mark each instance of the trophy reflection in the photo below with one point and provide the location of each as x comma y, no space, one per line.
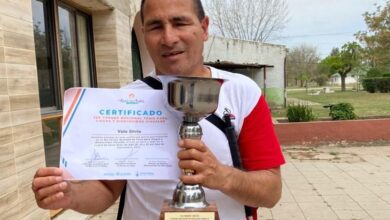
196,98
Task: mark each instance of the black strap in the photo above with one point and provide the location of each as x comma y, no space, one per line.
217,121
227,128
153,82
233,145
121,203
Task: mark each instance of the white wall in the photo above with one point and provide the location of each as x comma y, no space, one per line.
248,52
233,51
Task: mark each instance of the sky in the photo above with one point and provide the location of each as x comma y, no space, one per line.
324,24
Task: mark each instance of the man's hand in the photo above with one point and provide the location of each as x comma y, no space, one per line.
261,188
51,191
88,197
209,172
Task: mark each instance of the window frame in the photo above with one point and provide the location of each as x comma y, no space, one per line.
52,62
51,13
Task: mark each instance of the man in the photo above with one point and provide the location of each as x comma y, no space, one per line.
175,31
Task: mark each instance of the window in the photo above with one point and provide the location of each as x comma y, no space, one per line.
64,57
74,48
64,54
44,58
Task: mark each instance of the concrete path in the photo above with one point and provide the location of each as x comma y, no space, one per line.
323,184
334,183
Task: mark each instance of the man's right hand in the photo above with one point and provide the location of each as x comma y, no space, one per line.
50,189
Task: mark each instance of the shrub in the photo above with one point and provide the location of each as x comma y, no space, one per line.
383,84
378,84
342,111
299,113
369,85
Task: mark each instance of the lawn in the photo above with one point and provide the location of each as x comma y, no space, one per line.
365,104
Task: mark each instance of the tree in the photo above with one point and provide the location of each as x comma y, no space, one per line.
377,38
302,65
343,61
374,72
247,19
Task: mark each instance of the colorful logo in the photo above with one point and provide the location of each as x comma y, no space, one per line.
227,112
131,96
131,99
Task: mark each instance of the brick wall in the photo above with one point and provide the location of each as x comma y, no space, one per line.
21,142
333,132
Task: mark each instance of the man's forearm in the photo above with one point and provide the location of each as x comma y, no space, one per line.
93,197
261,188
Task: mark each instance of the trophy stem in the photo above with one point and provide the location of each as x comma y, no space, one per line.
190,129
189,196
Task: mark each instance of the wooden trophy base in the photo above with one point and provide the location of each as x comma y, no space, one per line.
208,213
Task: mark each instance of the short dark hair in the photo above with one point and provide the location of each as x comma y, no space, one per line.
198,8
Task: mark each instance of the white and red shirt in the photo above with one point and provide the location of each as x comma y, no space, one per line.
259,148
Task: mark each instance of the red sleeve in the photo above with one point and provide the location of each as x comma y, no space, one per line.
259,146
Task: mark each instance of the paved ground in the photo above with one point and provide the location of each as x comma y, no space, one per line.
334,183
324,183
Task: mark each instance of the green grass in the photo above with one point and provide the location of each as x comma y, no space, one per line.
365,104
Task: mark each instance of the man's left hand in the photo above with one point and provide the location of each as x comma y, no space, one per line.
209,172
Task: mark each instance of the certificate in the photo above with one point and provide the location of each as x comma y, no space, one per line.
119,134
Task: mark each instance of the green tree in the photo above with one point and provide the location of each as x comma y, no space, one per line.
374,72
323,75
377,38
343,61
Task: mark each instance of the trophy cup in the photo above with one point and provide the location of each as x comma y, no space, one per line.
195,97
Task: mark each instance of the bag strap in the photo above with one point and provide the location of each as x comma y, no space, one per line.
228,129
121,203
153,82
233,145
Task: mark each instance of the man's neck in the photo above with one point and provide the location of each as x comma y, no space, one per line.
204,72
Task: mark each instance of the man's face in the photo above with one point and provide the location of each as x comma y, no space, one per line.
174,36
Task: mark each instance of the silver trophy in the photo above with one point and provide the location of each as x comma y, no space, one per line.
196,98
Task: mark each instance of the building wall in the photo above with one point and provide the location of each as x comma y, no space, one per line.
21,142
112,35
336,80
235,51
112,41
